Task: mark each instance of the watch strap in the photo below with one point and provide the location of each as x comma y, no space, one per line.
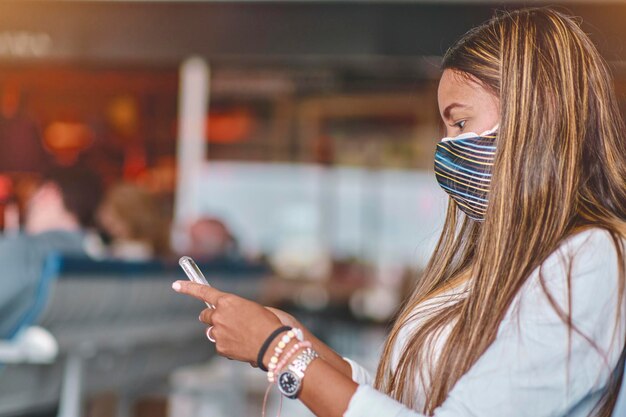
299,365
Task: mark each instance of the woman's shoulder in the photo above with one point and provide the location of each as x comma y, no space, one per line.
589,249
586,262
581,274
591,237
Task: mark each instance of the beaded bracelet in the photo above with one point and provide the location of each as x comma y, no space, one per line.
285,358
284,341
266,345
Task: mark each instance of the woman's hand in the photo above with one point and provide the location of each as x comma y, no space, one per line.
239,326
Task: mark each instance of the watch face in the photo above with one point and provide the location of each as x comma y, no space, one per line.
288,383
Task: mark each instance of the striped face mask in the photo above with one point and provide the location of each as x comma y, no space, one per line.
463,169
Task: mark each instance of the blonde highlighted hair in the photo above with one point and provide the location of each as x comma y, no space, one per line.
560,167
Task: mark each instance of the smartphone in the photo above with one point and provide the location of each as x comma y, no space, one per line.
193,273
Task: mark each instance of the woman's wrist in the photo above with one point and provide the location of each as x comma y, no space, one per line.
324,350
271,351
290,354
267,346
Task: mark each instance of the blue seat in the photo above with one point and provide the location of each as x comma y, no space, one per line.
37,300
86,267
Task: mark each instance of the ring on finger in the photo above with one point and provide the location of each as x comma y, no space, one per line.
208,334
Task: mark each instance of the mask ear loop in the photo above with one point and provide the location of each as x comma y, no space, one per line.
490,131
461,136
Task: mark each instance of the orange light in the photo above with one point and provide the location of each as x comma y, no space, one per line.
65,140
229,126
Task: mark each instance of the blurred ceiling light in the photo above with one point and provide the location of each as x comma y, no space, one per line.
123,115
25,44
65,140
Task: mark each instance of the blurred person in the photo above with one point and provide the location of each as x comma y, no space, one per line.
210,238
20,137
520,311
133,223
57,218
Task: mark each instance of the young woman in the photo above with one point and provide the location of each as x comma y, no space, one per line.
521,310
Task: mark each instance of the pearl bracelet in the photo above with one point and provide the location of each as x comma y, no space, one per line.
284,341
283,361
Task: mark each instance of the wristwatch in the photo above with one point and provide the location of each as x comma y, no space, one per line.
290,380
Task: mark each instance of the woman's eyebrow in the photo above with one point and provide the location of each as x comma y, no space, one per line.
448,109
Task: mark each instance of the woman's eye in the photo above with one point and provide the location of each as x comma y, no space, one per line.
460,124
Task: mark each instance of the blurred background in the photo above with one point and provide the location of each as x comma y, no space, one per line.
285,145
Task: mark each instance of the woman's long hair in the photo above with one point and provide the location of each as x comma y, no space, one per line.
560,167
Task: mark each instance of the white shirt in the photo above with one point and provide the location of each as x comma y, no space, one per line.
524,373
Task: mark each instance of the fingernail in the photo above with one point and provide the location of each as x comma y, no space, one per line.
176,286
200,317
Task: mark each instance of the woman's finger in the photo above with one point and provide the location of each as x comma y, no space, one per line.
199,291
205,315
